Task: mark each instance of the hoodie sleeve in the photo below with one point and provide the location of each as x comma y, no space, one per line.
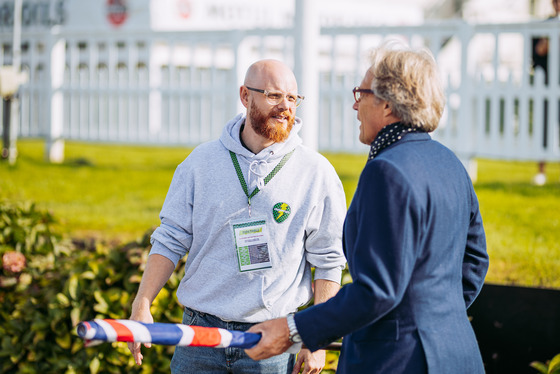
323,244
173,238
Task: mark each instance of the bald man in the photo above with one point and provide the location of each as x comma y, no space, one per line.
254,210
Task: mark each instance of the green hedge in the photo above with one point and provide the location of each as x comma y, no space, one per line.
48,284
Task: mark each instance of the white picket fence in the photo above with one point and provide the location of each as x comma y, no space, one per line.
179,88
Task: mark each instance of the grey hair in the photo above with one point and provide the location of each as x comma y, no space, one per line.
408,79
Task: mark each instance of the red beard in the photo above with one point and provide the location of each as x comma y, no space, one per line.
261,124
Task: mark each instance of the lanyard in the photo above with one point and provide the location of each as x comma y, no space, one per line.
266,179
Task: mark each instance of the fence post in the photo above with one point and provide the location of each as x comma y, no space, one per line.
553,143
54,150
306,68
11,107
466,126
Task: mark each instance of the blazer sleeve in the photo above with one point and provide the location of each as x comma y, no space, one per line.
476,260
382,223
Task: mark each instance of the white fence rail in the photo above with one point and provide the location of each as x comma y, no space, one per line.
180,88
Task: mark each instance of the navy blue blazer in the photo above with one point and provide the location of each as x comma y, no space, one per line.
416,251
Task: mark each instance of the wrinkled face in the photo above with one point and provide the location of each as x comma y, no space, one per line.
273,122
370,112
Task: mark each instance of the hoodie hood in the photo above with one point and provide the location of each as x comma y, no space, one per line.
257,166
230,139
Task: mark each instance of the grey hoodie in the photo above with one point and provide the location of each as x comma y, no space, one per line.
206,195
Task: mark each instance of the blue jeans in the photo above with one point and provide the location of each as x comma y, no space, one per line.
223,360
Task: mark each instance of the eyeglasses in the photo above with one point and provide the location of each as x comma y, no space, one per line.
275,98
357,91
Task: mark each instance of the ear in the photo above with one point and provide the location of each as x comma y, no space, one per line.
387,111
244,96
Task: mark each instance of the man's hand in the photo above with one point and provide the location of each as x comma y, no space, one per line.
314,362
157,272
274,341
141,314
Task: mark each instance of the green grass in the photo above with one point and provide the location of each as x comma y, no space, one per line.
522,223
106,191
116,192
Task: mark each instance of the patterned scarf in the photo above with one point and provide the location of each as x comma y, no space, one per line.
387,136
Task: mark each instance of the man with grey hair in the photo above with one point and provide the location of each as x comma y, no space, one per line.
413,237
255,211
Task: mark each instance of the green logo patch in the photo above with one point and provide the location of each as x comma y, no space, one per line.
280,212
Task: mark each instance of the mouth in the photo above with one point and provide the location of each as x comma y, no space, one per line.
280,118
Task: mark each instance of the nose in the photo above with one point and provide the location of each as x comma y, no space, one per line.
284,104
355,106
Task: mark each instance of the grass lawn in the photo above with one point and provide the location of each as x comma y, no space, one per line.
522,223
115,193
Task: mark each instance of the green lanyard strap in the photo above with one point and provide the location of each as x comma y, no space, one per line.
266,179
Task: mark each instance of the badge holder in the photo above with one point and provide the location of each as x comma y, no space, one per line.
251,244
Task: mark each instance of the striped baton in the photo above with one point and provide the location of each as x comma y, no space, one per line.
123,330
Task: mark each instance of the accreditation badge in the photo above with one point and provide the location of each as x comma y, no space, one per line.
251,244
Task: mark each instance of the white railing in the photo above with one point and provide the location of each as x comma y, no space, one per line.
180,88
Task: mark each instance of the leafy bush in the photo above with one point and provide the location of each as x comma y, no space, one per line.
48,285
550,367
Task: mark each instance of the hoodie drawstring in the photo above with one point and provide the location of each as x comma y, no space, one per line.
258,168
264,181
